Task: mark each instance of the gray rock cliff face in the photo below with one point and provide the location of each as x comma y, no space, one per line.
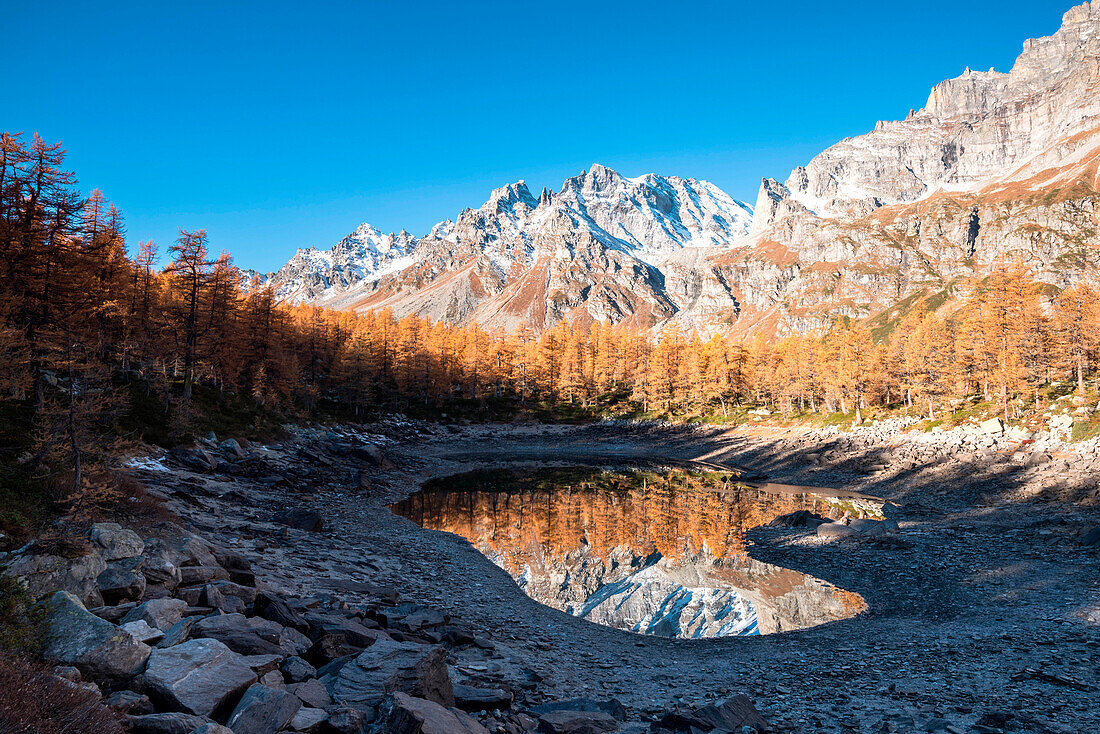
973,129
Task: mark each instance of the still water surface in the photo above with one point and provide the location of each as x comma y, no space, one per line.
657,551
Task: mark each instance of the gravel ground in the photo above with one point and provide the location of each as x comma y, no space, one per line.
984,612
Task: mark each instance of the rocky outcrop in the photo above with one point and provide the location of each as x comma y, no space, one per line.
45,573
995,167
973,130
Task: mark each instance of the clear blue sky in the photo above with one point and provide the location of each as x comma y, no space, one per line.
278,125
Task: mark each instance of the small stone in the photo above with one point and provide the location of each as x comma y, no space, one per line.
297,670
308,720
142,632
159,613
311,692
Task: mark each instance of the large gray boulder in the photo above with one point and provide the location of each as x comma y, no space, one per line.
389,666
159,568
252,636
115,542
834,530
100,650
180,547
263,710
731,715
404,714
45,574
198,676
992,426
142,631
159,613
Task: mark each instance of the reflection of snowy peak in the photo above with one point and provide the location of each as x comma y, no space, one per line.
694,596
613,228
668,599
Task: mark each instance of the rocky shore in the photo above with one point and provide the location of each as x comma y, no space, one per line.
288,598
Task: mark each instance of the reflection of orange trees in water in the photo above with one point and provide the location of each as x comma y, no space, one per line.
524,517
850,602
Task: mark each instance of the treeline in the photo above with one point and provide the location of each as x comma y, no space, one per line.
80,317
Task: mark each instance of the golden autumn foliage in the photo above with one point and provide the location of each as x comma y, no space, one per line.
79,318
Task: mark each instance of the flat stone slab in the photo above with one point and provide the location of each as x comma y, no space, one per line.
198,676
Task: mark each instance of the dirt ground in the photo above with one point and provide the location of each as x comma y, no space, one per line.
983,612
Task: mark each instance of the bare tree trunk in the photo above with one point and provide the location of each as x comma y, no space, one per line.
74,442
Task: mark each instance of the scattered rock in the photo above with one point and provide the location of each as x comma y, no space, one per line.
612,707
308,720
142,632
798,519
121,581
300,519
992,426
45,574
115,542
263,710
251,636
835,530
469,698
346,720
129,702
405,714
212,728
388,666
277,610
297,670
576,722
162,614
311,692
171,723
1092,537
731,715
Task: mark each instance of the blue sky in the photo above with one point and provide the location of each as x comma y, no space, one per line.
279,125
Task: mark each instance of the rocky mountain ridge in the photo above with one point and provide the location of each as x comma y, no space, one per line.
994,166
595,246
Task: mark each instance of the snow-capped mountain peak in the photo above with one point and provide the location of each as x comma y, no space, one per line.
645,220
365,254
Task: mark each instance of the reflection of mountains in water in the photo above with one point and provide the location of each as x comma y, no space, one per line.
656,552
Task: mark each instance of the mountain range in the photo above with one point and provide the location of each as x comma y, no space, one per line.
994,166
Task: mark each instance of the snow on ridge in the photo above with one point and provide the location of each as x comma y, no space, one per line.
646,217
